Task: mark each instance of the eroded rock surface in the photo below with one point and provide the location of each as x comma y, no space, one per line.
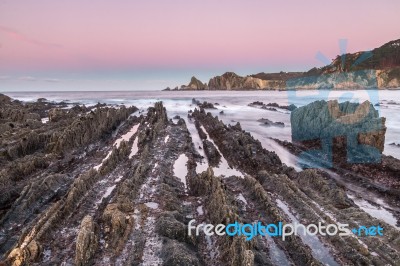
108,187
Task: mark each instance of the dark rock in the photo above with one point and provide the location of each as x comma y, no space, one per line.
212,153
202,134
267,122
272,106
176,253
168,226
238,147
257,103
42,100
290,107
206,105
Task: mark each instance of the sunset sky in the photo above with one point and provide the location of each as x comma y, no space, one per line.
141,45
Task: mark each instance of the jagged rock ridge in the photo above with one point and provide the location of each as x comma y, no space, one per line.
122,201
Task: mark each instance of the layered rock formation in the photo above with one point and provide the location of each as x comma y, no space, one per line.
123,196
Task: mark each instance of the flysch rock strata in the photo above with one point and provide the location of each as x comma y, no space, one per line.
82,193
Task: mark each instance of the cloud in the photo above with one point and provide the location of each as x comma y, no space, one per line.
28,78
51,80
14,34
4,77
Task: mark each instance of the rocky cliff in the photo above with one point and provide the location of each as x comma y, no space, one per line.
379,68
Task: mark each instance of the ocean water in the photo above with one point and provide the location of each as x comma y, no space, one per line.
234,105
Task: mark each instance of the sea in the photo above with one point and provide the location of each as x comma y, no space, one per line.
234,107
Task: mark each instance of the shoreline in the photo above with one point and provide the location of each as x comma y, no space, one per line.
150,91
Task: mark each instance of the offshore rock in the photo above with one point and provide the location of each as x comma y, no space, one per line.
336,129
194,84
269,123
272,106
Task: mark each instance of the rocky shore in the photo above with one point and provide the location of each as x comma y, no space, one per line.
109,186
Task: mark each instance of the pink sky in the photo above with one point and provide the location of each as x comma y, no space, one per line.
168,41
